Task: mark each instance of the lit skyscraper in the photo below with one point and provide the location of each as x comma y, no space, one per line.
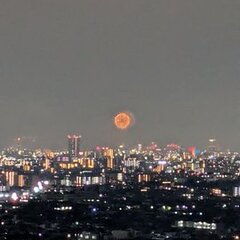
212,145
73,146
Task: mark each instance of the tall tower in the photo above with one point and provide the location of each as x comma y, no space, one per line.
73,146
212,145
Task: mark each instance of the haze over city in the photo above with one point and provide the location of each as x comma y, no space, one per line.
70,66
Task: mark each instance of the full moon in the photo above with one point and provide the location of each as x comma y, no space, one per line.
123,120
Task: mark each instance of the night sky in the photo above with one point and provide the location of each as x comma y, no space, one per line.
68,66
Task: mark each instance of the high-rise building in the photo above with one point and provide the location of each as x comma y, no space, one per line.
109,155
236,191
73,146
11,177
144,177
21,181
213,146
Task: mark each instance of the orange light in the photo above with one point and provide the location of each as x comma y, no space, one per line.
123,120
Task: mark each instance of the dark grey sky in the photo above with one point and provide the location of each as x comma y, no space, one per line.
69,66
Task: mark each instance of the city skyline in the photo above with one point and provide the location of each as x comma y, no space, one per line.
73,145
67,68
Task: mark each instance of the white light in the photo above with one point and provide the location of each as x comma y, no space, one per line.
14,196
162,162
36,189
40,186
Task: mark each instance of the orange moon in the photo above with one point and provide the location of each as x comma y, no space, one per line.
123,120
